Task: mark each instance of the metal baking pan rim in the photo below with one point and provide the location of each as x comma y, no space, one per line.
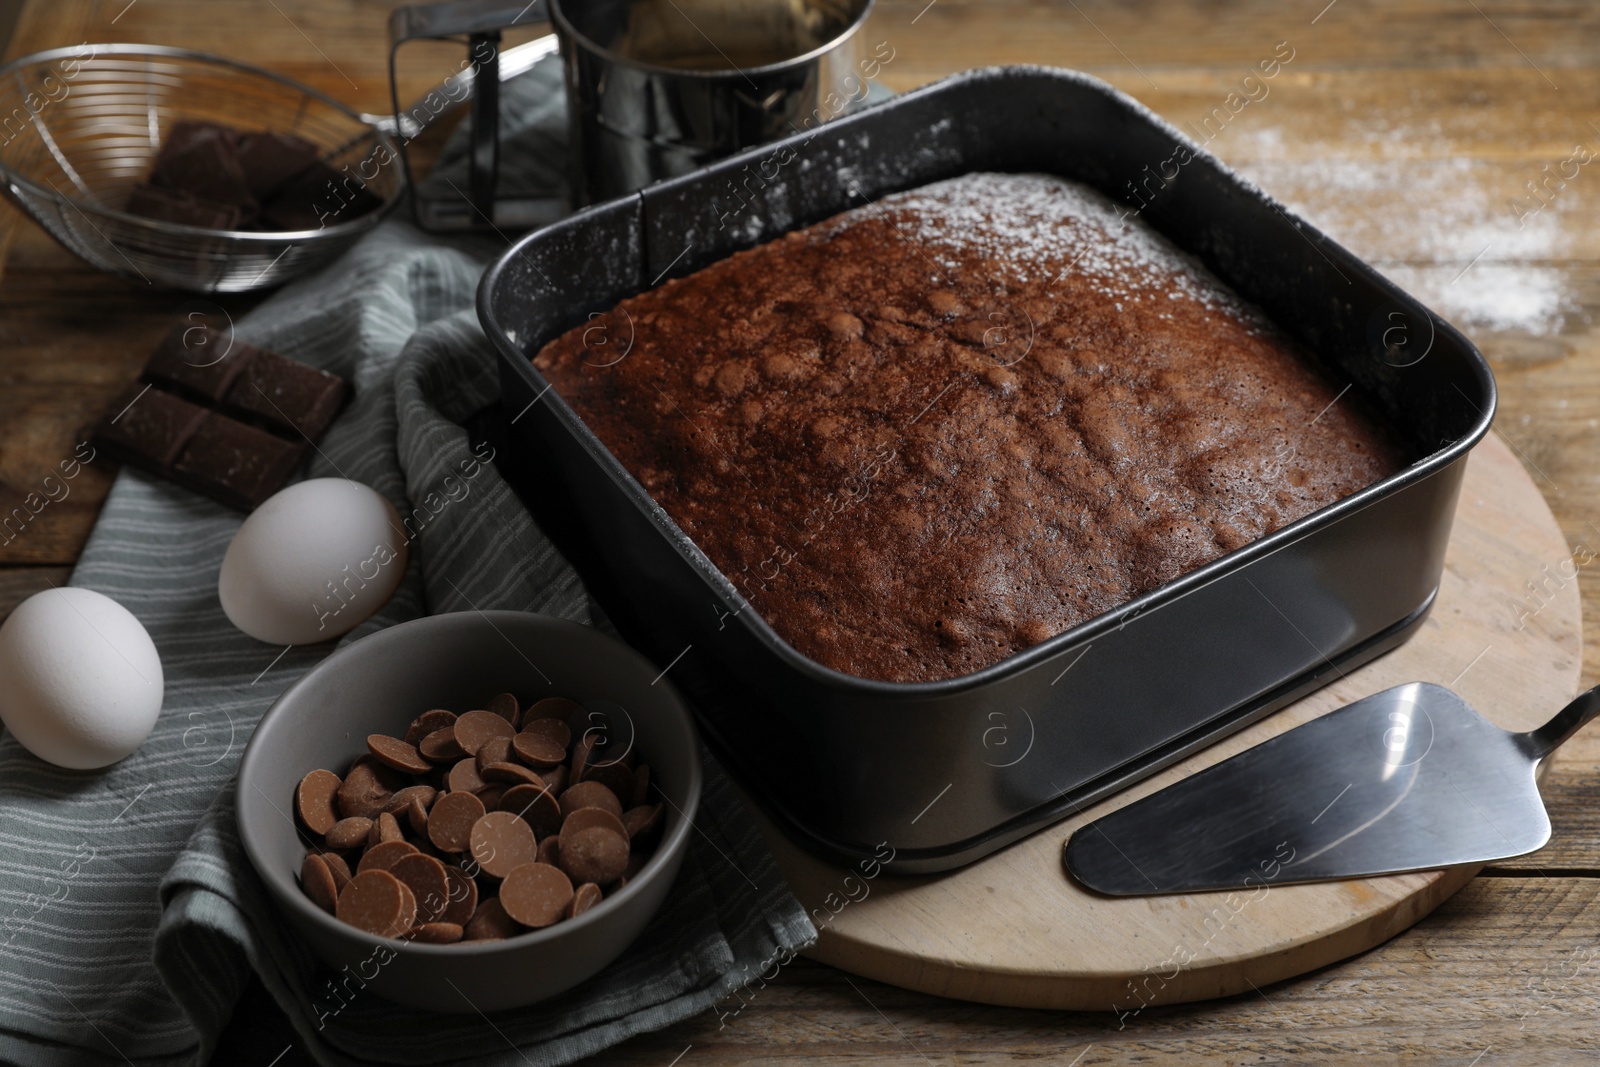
1087,631
941,858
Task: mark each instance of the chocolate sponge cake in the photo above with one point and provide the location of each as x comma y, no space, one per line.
938,429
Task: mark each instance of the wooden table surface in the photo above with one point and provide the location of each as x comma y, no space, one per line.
1407,130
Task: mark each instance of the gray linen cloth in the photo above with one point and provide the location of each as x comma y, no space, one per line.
130,919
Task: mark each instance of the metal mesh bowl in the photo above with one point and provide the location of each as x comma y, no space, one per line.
79,127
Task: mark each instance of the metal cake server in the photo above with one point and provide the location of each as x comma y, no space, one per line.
1408,779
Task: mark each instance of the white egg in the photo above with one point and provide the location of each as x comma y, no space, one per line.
312,562
80,680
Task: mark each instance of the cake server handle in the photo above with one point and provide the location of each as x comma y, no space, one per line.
1578,713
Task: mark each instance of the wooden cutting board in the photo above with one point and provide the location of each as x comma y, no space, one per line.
1014,929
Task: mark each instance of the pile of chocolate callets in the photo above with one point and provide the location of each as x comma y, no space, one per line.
479,826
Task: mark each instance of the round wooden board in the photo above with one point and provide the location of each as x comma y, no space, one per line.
1014,929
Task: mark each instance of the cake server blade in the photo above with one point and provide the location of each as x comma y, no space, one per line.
1408,779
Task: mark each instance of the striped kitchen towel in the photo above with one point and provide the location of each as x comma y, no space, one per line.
130,919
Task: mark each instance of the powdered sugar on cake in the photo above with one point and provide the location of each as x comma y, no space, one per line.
1036,227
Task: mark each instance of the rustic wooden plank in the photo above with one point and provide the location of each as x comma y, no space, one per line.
1370,83
19,583
1508,964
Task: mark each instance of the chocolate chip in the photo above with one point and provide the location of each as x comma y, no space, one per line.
494,750
397,754
594,855
501,842
504,705
536,895
451,820
550,850
464,776
613,775
314,800
408,905
429,722
476,727
382,857
490,922
490,794
364,792
400,803
428,881
417,817
555,780
463,897
589,795
539,750
384,828
438,933
642,823
537,807
511,774
375,901
584,897
568,711
338,868
582,753
641,786
441,746
348,833
584,818
318,882
554,728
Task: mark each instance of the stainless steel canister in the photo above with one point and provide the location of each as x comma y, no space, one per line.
658,88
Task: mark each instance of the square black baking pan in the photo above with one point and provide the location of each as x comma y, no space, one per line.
944,772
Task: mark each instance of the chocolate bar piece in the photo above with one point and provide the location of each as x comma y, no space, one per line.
172,205
231,421
270,159
236,463
316,197
217,177
148,426
291,397
198,360
202,159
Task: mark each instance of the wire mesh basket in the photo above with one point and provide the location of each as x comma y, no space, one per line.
80,127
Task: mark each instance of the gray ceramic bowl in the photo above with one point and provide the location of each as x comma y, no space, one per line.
458,661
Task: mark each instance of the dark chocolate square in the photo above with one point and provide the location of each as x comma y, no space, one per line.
204,162
173,205
293,397
185,133
269,160
148,427
199,360
236,463
316,197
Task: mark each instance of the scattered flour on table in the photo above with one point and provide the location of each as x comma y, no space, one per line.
1394,206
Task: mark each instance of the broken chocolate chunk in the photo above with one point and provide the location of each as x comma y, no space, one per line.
172,205
204,162
318,196
271,159
221,416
